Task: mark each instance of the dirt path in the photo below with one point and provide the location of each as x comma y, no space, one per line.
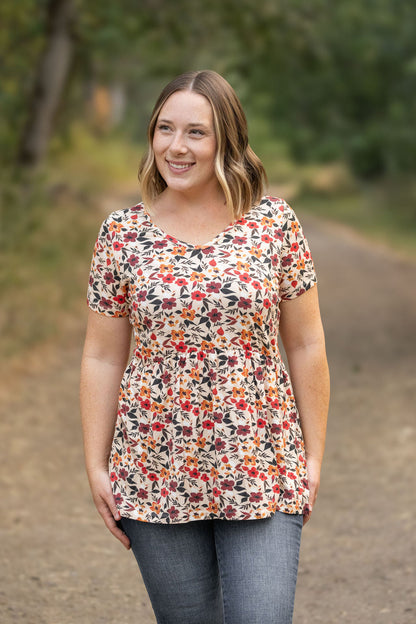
59,566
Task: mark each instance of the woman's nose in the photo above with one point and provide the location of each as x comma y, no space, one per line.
178,144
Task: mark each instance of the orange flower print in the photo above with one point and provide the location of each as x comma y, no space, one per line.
213,508
116,459
188,314
194,374
178,334
179,250
206,406
256,252
115,227
246,335
267,222
238,392
258,319
157,407
184,393
242,267
272,507
294,227
197,277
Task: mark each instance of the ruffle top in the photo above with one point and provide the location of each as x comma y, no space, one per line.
207,424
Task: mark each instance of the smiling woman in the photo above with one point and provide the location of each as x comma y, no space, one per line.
184,146
239,172
201,454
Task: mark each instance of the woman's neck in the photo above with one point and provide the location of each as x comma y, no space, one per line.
183,205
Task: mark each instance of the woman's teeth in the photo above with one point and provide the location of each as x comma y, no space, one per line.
176,166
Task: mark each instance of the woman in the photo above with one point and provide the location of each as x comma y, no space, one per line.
202,454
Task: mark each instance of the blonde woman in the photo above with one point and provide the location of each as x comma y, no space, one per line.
203,455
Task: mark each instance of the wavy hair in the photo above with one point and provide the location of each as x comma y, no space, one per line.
239,171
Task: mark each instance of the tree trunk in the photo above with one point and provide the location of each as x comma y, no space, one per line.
50,80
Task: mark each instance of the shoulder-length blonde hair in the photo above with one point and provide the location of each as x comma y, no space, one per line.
239,171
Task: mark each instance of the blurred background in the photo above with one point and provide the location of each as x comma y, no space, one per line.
329,89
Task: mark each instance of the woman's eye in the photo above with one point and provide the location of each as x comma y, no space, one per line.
163,127
197,132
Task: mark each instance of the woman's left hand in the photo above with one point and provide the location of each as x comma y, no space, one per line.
314,476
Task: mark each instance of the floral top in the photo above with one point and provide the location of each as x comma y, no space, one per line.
207,425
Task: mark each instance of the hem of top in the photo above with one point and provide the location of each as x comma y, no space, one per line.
119,314
209,517
301,292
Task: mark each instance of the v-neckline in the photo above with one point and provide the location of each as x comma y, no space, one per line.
178,241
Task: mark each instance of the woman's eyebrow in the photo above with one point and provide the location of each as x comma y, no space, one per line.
199,123
192,124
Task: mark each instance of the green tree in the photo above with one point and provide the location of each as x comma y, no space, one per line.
331,79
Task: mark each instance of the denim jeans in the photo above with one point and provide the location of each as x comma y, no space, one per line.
219,571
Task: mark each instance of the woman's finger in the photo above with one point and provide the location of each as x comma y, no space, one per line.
111,515
118,533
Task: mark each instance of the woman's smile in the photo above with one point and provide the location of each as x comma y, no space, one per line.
180,167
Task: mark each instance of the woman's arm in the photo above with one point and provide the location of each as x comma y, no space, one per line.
106,351
303,340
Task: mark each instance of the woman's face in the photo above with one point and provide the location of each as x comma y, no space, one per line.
184,143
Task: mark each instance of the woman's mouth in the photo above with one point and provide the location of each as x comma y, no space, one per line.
180,167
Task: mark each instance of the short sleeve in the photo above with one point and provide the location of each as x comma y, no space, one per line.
297,271
107,287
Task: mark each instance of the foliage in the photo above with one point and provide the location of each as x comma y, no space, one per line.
21,39
332,79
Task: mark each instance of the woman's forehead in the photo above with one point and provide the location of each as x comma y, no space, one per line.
187,106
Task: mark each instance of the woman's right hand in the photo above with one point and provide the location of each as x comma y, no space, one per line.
102,495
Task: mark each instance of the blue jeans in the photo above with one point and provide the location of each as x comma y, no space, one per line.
219,571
